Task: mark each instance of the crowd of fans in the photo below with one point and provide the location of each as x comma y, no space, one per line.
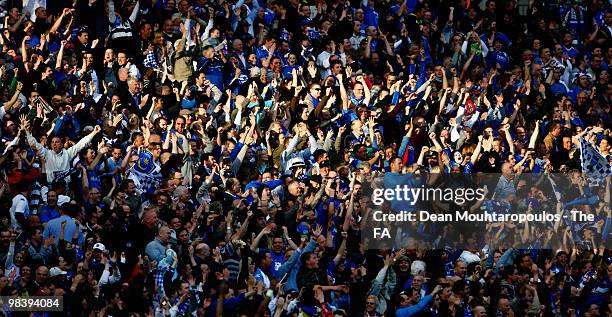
216,157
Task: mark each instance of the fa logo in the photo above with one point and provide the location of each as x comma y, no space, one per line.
381,233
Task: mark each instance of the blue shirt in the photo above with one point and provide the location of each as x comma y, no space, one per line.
278,259
269,16
498,57
370,16
570,51
48,213
54,228
498,36
213,68
155,250
414,309
261,53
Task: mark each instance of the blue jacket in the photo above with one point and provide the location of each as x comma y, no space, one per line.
292,266
155,250
54,227
228,305
414,309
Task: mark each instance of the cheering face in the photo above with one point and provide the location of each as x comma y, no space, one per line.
458,157
56,144
83,38
358,90
315,91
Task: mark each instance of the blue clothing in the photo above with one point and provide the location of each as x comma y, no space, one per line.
213,68
406,150
278,259
93,177
287,71
393,180
498,36
370,16
272,184
498,57
558,89
414,309
228,304
292,266
269,16
261,53
155,250
47,213
570,51
54,228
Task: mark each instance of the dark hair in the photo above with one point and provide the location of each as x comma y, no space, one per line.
305,257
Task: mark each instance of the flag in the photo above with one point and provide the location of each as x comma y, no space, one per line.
145,173
150,60
57,175
555,188
595,165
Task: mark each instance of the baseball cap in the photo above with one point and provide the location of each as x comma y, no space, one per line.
55,271
99,246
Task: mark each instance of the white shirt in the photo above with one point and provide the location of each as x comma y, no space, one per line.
20,205
323,62
58,162
469,257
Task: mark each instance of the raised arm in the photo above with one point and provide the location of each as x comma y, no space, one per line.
24,51
111,12
343,94
73,150
60,55
506,130
534,136
366,90
135,12
59,20
476,153
7,106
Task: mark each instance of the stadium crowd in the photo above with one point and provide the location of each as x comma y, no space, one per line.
217,157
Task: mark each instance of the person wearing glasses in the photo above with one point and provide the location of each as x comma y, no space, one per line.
410,302
314,96
370,308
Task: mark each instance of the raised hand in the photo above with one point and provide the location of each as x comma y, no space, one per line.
312,70
24,123
317,231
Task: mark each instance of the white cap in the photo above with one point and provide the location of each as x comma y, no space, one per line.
55,271
62,199
295,162
99,246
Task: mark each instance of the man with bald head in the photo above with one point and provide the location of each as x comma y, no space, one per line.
42,274
141,233
504,308
237,49
57,158
506,186
201,253
156,249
